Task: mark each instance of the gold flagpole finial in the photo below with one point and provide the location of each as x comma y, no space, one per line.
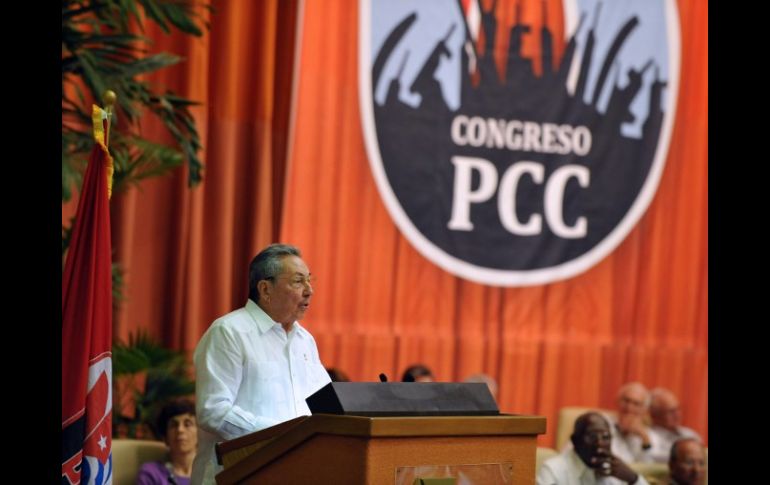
108,98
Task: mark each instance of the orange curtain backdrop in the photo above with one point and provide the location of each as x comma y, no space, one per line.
640,314
185,250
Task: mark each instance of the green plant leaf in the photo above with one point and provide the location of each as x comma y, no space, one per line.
104,47
166,374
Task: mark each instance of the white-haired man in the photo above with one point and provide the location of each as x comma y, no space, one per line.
632,440
667,423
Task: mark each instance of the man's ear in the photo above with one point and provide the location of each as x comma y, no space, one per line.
264,288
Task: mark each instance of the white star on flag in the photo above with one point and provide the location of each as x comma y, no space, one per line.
103,442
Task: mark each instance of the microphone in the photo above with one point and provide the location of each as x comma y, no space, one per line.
383,378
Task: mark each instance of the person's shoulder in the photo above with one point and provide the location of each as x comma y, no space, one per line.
302,331
561,459
238,319
149,466
225,330
689,433
151,473
554,467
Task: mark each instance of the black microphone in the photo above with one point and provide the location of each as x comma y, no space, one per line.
383,378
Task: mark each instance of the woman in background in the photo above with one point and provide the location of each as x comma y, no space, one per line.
176,425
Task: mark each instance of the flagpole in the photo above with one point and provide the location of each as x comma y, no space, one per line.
109,98
86,436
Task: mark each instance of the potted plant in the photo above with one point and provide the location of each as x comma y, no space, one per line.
145,376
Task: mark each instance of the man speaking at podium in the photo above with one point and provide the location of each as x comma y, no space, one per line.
255,366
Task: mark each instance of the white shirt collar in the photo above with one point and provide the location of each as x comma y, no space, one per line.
265,323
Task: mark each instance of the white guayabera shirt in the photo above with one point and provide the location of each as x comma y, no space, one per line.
567,468
250,375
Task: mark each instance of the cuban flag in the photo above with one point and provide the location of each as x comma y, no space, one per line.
87,326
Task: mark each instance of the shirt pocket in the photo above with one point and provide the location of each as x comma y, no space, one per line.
313,372
266,371
267,381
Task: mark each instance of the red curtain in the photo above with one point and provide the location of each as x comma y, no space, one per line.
185,251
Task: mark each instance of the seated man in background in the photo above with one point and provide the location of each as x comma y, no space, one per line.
632,439
417,373
176,426
336,375
589,460
687,464
666,423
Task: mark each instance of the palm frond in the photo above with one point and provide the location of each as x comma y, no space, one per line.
166,377
101,49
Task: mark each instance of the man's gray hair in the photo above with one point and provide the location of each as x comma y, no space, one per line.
657,395
637,385
268,264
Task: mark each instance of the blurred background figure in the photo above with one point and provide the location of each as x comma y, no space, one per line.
336,375
589,460
177,427
417,373
687,464
488,380
666,423
632,439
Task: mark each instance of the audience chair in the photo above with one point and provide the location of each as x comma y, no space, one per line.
129,455
654,473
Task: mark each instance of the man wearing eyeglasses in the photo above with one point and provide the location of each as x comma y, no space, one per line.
667,423
256,365
632,439
589,461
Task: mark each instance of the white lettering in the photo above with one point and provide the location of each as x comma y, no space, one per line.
463,196
519,135
581,140
457,134
553,198
531,136
506,199
554,201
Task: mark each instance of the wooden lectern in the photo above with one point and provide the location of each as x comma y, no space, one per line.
358,450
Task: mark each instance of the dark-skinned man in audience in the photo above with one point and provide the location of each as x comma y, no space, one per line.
590,460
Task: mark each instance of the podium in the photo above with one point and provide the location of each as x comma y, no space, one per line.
356,450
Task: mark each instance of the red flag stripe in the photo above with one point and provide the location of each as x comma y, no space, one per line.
87,330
